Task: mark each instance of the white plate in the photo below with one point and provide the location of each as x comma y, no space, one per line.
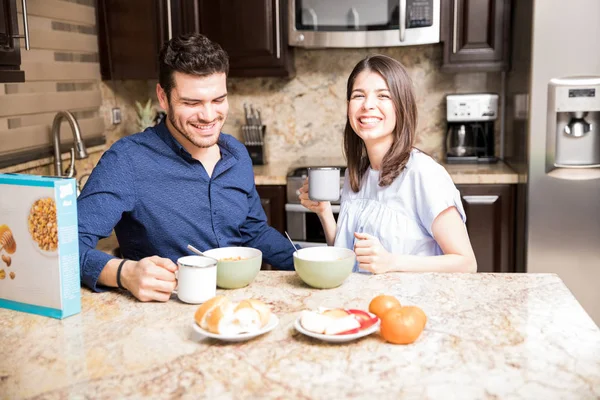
337,338
273,322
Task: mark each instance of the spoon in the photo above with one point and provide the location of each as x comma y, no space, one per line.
195,250
293,245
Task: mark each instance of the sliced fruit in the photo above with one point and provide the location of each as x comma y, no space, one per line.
335,313
364,318
314,322
342,325
350,332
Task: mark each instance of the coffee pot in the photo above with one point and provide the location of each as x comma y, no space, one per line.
461,140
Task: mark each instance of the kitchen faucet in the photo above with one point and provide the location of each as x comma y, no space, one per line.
78,151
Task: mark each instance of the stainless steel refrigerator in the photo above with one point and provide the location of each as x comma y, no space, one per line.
552,139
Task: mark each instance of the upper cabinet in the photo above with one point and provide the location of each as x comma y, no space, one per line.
476,35
130,34
251,31
10,54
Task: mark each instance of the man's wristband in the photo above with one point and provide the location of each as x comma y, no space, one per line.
119,274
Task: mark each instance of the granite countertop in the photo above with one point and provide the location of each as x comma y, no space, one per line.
499,173
487,336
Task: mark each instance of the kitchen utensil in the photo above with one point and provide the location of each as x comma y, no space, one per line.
195,250
337,338
237,266
324,183
273,322
247,114
196,279
293,245
324,267
460,141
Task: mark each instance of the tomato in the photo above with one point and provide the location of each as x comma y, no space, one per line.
403,325
383,303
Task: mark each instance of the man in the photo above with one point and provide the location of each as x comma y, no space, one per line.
181,182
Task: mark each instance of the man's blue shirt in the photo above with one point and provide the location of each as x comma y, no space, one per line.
159,199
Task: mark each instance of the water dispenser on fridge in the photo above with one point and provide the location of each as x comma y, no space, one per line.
573,125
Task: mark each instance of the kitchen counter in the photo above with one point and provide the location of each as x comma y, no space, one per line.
499,173
487,336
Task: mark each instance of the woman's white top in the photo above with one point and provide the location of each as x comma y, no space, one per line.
399,215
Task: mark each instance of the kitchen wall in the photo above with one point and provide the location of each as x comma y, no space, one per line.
305,115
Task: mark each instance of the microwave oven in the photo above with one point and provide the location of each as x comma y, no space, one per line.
363,23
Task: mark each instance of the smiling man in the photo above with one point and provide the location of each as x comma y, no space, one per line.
181,182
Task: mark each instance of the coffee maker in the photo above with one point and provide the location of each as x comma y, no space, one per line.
470,137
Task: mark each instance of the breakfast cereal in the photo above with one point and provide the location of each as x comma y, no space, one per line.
42,224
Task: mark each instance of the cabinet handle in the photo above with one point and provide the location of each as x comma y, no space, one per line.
169,22
455,26
402,17
277,29
480,199
25,26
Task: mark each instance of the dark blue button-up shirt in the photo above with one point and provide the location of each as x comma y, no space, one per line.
159,199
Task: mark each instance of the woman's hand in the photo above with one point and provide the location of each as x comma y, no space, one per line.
319,207
371,255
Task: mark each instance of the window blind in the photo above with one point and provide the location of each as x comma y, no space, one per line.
62,72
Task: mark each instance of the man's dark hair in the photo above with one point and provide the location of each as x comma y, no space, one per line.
192,54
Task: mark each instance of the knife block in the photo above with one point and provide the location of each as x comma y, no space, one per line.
255,144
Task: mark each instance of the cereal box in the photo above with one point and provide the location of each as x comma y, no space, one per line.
39,248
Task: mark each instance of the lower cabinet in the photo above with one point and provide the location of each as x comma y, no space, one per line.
272,198
491,224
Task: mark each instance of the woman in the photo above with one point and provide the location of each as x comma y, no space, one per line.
400,210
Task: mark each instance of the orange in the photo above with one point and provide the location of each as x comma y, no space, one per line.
383,303
403,325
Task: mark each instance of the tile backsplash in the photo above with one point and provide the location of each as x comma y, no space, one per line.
305,116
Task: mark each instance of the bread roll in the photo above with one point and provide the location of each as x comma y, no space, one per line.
205,310
263,310
221,316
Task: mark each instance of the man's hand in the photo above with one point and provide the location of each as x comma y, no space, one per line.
371,255
150,279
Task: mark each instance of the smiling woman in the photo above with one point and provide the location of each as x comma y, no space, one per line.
400,210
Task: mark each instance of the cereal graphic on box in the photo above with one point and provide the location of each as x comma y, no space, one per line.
2,274
12,275
7,260
7,241
42,224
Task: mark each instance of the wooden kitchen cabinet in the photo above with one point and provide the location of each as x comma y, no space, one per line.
253,32
131,33
10,52
476,35
491,224
272,198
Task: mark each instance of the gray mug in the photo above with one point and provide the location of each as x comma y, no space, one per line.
324,183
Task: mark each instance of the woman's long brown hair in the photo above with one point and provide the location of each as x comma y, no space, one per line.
403,98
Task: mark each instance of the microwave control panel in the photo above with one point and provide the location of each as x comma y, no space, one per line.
419,13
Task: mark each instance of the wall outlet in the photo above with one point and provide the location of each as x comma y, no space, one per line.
116,116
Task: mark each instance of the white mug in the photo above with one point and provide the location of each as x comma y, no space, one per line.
324,183
196,279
